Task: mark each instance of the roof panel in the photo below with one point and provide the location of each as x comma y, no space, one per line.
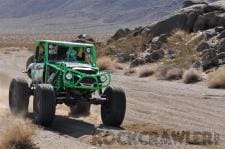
67,43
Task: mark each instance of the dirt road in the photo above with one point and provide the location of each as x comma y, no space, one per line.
152,106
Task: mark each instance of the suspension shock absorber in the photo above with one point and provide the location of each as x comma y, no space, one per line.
58,82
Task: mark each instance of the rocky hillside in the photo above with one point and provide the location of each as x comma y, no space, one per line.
192,36
67,15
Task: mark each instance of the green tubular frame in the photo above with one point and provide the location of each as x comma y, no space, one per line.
61,70
72,84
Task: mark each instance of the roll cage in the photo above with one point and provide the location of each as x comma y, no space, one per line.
50,61
64,52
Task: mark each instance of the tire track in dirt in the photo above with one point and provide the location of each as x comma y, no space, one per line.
154,102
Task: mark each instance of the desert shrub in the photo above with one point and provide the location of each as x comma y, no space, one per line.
145,71
130,71
118,65
104,50
191,76
174,74
130,44
216,79
105,63
183,44
18,135
169,72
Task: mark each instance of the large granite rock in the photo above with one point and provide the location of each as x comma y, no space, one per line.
209,59
121,33
188,3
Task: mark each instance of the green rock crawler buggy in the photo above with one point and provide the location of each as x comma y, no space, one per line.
66,73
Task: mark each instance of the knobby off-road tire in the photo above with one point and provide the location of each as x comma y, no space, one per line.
80,109
29,61
44,105
19,96
113,111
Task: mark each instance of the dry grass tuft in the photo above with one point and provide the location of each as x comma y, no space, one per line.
183,44
169,72
18,135
174,74
145,71
216,79
118,66
130,71
105,63
191,76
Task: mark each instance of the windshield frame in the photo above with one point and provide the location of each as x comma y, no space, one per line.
70,46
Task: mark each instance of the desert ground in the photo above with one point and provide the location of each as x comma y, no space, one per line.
152,106
160,113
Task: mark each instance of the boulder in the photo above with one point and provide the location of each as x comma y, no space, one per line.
121,33
154,56
209,59
221,45
221,61
197,64
209,33
199,16
218,5
137,31
148,50
221,35
221,49
171,54
221,55
132,56
123,57
155,46
191,18
202,46
210,20
183,19
162,38
219,28
188,3
136,62
178,20
148,57
146,33
221,42
158,41
84,38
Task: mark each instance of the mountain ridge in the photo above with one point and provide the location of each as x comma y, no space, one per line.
83,13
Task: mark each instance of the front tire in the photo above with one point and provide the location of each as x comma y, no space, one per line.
44,105
19,96
113,111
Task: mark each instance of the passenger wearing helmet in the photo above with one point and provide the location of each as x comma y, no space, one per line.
71,54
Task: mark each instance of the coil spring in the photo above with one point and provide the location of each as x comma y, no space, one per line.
58,81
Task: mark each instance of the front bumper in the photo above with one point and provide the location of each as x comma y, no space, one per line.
87,81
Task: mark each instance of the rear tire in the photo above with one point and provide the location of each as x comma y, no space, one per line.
29,61
19,96
113,111
80,109
44,105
